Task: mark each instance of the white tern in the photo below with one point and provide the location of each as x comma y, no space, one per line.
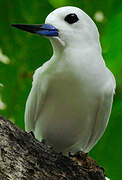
71,97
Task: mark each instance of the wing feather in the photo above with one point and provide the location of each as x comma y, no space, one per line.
102,113
35,100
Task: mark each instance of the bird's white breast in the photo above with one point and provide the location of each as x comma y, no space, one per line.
67,117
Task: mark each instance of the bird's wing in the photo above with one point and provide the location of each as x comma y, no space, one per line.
102,112
35,100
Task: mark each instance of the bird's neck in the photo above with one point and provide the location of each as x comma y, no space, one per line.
58,46
61,50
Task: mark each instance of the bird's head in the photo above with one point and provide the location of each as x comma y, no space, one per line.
66,26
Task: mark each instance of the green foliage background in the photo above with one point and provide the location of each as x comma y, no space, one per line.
27,52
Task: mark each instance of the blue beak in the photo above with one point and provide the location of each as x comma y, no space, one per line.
41,29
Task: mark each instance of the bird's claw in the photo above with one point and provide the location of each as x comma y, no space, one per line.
79,155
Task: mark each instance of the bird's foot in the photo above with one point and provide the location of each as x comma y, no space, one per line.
80,157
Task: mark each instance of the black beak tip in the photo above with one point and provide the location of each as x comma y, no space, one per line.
16,25
13,25
21,26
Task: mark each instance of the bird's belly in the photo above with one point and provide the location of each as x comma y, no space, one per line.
66,120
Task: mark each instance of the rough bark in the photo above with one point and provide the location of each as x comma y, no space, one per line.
22,157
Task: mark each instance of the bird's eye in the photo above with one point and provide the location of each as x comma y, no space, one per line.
71,18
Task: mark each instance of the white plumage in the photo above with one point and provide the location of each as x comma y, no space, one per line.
71,97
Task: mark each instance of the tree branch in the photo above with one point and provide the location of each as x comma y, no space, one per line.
22,157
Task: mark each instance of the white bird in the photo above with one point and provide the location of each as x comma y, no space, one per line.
71,97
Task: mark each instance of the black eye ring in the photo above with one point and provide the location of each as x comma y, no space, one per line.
71,18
